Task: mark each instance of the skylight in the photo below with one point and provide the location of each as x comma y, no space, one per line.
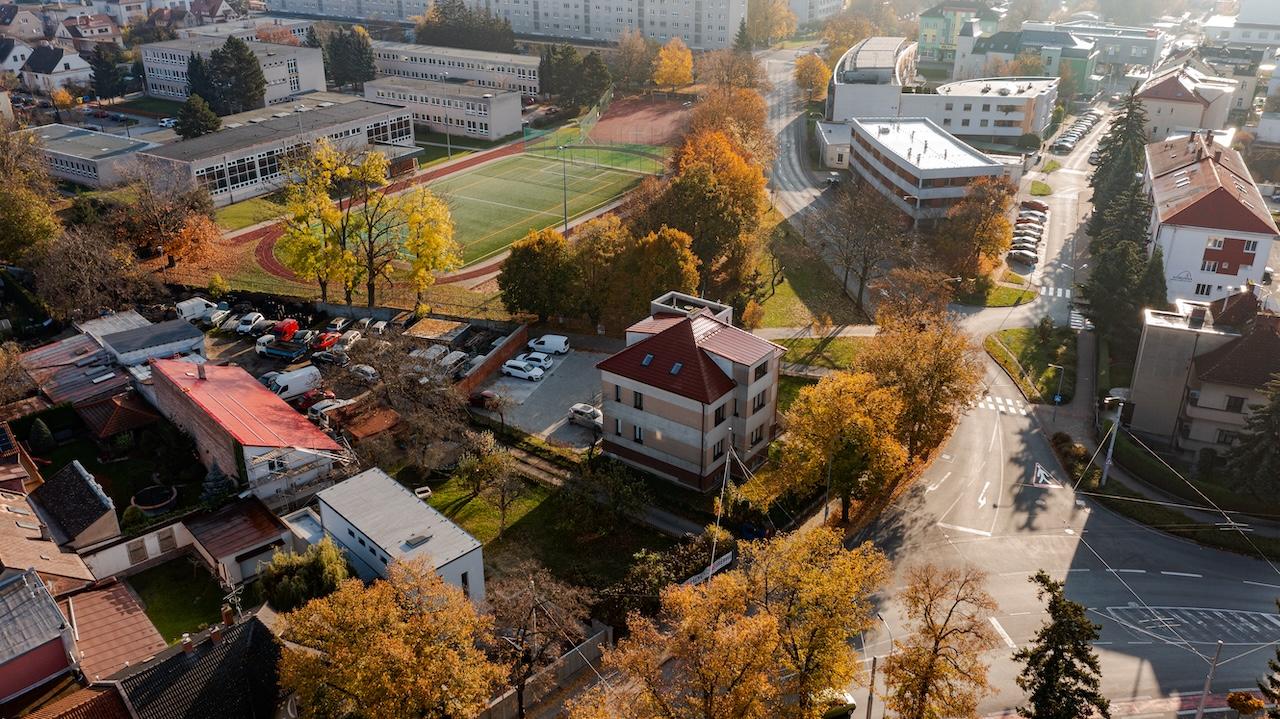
675,368
648,359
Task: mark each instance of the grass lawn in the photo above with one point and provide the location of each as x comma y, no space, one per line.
829,352
434,155
240,215
807,288
789,388
996,296
532,531
1051,166
149,106
1034,356
421,135
179,596
1040,189
1013,277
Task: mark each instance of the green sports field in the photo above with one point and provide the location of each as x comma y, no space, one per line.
498,203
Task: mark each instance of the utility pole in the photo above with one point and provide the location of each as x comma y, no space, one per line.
871,687
1213,668
1111,446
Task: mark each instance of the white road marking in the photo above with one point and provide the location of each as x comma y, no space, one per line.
1128,571
1183,574
1003,634
937,484
969,530
982,496
1263,584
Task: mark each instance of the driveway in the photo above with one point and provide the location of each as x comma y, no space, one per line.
541,408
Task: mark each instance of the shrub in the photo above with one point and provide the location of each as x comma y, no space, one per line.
41,438
132,519
1029,141
218,286
1206,461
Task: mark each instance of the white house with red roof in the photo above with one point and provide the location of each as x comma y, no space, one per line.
688,389
1208,218
242,428
1183,98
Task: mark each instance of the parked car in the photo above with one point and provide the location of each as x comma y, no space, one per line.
587,416
347,340
363,323
320,410
554,344
1023,256
365,372
1095,158
537,359
379,327
169,122
339,359
337,324
219,314
266,378
305,337
310,398
247,323
1033,214
325,340
1026,247
288,385
1035,205
285,329
522,370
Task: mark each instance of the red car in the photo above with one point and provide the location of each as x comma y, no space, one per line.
326,340
1035,205
311,397
285,329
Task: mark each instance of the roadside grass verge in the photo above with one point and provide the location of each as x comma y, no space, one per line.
1040,189
1025,355
828,352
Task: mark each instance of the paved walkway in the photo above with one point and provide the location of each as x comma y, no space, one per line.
808,331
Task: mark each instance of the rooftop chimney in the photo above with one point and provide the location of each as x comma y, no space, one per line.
200,371
228,616
1196,320
187,646
215,634
1217,155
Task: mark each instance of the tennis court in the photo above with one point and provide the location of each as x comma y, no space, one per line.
498,203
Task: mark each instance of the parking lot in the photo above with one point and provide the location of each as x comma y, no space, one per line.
542,407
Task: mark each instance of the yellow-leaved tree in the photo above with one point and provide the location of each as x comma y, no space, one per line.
811,75
674,65
408,645
428,238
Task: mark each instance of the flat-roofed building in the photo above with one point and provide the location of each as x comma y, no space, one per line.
459,109
86,157
868,78
289,70
918,165
497,70
242,162
263,28
1118,45
395,11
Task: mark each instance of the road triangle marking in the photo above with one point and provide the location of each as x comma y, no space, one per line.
1044,477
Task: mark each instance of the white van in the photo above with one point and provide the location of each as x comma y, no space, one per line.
288,385
195,309
319,412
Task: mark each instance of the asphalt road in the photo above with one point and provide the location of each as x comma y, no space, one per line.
995,499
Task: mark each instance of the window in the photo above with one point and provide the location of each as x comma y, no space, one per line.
637,400
982,123
968,107
1215,243
350,533
275,464
1209,266
637,435
717,450
757,435
361,541
761,371
1250,245
986,107
1203,290
465,581
168,542
137,551
648,359
617,427
720,412
949,106
758,402
964,122
1226,436
617,393
1235,404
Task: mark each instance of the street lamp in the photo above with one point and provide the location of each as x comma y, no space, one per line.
1057,396
871,686
1115,430
564,184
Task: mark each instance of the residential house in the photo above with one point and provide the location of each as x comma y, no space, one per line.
212,11
75,508
1256,25
50,68
13,55
689,390
238,539
91,703
242,429
163,339
18,473
109,417
110,627
1208,218
940,28
127,12
84,33
1118,46
1063,54
1201,368
20,23
26,544
376,520
37,644
1241,64
1184,98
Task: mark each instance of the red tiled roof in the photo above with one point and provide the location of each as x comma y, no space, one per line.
714,336
1235,310
236,528
697,378
1201,184
1176,86
1248,361
243,407
91,703
110,416
112,631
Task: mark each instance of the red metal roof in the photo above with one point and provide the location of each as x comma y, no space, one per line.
243,407
1200,184
112,631
651,361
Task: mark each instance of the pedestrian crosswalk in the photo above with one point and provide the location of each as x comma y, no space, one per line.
1048,291
1079,322
1002,405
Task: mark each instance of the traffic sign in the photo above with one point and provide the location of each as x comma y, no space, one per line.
1057,399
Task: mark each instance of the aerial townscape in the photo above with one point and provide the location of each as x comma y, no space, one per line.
639,359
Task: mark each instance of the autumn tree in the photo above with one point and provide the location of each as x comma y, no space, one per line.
162,207
844,30
194,238
503,487
27,219
1253,462
657,262
741,115
862,235
453,23
770,20
316,242
937,670
14,382
731,68
811,75
1060,672
906,293
536,276
632,63
820,595
483,462
196,118
599,245
977,230
537,618
932,367
1024,64
84,269
408,645
277,35
1269,685
427,232
62,101
673,65
290,580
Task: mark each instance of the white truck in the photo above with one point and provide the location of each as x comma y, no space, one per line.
288,385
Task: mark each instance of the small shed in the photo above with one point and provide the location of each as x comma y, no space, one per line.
164,339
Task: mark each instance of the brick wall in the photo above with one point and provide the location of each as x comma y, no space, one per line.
510,347
213,443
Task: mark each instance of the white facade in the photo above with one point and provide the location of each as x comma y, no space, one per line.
118,556
1257,25
70,68
396,11
815,11
497,70
125,12
288,70
464,110
274,473
17,57
1186,99
85,157
252,29
1190,276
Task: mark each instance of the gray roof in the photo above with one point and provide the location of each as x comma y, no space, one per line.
273,130
85,144
389,514
156,335
204,45
455,52
101,326
436,88
31,616
73,500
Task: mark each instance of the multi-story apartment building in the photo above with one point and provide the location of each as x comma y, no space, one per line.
1242,64
940,27
1062,53
1118,46
394,11
1256,25
451,107
1208,218
689,389
701,24
1201,368
497,70
1184,98
919,166
289,70
241,162
809,12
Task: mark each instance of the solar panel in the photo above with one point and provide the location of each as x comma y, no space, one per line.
6,440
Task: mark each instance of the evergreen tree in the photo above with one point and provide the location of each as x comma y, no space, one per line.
360,55
1061,670
1112,290
1122,154
452,23
593,79
108,78
1127,218
200,82
1254,462
237,77
196,118
1153,292
742,41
